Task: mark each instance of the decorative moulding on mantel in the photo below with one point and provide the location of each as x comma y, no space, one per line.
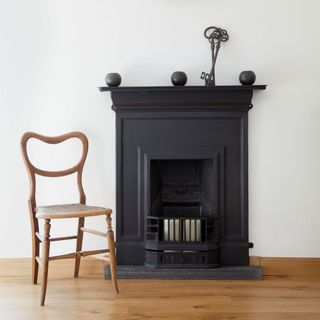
179,98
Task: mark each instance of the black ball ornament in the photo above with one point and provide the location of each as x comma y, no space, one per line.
247,78
179,78
113,79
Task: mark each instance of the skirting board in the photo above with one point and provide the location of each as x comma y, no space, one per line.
304,267
21,267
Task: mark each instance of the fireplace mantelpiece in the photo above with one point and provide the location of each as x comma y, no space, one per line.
194,98
182,123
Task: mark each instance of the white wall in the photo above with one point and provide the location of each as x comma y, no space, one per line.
54,54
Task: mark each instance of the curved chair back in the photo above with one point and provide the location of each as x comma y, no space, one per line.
32,170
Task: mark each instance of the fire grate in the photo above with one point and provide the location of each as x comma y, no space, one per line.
180,229
182,241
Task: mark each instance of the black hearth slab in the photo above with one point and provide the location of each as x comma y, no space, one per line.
222,273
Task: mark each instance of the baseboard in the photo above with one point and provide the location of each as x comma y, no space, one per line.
282,266
22,267
255,261
278,266
306,267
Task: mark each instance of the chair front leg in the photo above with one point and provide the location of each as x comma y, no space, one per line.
45,260
112,253
78,246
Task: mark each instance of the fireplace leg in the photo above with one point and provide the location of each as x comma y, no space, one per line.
112,253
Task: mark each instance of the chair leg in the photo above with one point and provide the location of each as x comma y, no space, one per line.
112,252
45,260
78,247
35,253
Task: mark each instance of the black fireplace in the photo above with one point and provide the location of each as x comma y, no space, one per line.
182,175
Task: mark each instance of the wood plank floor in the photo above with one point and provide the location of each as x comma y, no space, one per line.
91,297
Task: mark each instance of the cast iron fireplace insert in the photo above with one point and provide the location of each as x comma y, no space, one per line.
182,223
182,175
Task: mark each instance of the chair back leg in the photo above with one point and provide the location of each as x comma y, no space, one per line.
78,246
35,253
112,253
45,260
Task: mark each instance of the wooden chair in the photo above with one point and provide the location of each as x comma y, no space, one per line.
48,213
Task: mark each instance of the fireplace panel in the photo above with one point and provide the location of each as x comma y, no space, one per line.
137,153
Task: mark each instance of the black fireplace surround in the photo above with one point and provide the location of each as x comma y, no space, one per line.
182,175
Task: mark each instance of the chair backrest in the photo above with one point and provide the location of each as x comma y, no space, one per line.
32,170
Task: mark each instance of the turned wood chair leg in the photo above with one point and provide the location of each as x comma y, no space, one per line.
112,253
78,247
45,260
35,253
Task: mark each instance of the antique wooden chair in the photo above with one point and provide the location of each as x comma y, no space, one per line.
65,211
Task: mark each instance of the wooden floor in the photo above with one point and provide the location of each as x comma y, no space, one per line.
91,297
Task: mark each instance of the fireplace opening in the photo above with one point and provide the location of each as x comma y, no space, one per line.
182,223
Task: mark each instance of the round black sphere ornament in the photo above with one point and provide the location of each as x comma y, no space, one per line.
179,78
113,79
247,78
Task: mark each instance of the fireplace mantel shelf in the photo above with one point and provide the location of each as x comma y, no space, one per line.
182,88
182,98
